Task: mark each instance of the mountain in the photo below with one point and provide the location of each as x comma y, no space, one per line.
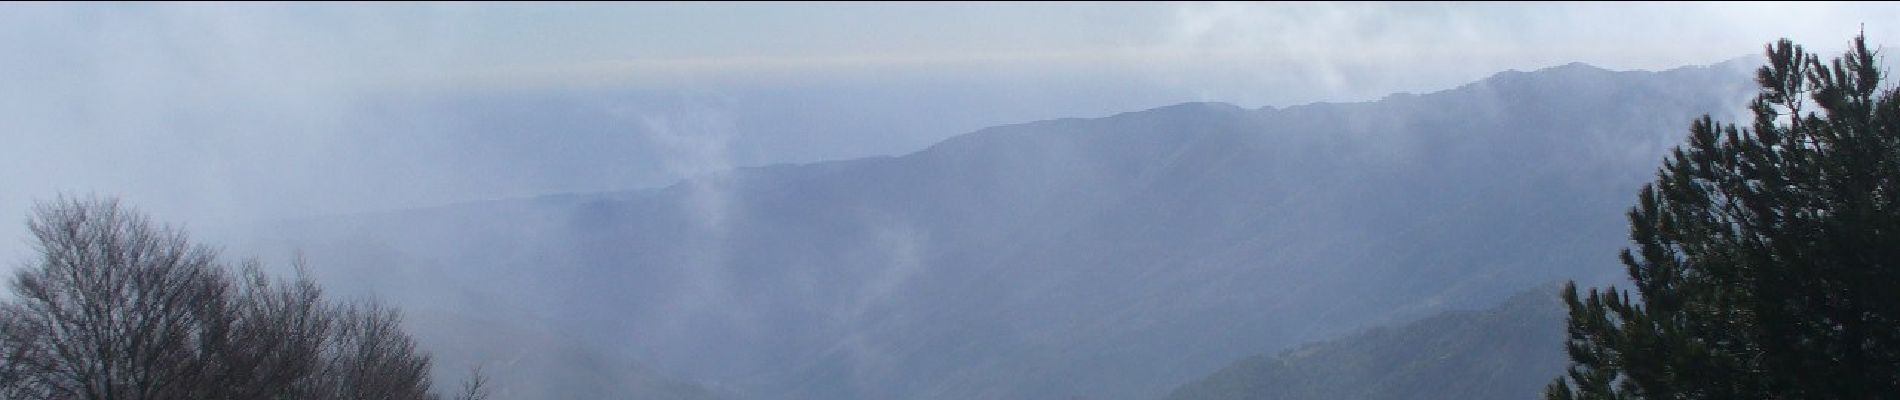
1110,258
1506,352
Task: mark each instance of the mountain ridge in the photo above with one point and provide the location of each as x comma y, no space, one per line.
1111,257
1744,62
1506,351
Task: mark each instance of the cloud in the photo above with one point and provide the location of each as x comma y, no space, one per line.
1290,53
213,114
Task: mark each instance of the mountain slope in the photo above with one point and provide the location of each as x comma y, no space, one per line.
1109,257
1506,352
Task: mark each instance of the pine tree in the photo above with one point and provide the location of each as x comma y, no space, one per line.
1765,258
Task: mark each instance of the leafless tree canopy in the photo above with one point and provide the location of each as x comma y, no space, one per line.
119,308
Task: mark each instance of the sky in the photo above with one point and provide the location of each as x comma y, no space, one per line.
213,114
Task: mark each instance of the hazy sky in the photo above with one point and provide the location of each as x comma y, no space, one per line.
218,113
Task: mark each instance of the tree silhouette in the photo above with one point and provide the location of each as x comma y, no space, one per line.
1764,258
119,308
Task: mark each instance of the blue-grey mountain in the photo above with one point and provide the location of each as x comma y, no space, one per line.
1104,258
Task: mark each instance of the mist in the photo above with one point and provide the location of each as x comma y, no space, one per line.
218,114
276,128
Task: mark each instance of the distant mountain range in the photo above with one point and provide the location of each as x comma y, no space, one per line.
1103,258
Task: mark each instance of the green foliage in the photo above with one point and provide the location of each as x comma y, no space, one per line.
1764,257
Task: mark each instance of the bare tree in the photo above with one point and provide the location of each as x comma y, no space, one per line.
269,344
369,357
20,359
476,387
119,308
116,306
